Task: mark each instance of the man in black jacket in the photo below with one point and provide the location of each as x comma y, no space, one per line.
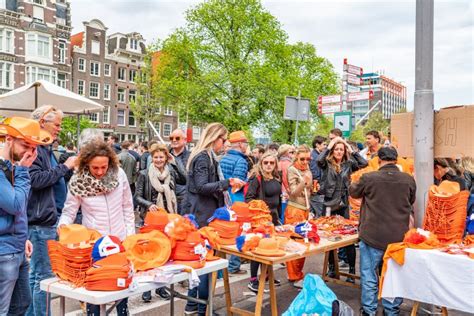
181,155
387,198
47,196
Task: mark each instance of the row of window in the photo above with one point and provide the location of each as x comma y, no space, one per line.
95,70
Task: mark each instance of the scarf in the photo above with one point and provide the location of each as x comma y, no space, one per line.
161,182
84,184
220,174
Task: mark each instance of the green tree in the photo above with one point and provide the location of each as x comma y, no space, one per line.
375,122
69,131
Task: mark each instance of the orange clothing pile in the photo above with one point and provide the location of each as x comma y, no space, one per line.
227,230
155,221
148,251
112,273
191,251
242,212
446,211
260,213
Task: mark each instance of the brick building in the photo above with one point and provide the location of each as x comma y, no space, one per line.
34,43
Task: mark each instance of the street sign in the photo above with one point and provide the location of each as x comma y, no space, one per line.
353,69
323,99
352,79
295,111
343,121
357,96
329,108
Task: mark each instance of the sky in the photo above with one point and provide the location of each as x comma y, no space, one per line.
375,35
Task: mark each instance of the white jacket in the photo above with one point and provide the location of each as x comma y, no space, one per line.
109,214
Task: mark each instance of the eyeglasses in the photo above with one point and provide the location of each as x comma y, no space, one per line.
302,159
271,163
177,138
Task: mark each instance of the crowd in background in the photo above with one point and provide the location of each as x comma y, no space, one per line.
110,186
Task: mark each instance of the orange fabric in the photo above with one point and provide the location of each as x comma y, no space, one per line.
193,264
211,235
251,244
27,129
148,251
242,212
155,220
77,234
112,273
178,228
294,268
258,206
186,250
227,230
446,212
210,256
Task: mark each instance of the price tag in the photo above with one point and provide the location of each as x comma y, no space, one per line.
200,250
121,282
246,227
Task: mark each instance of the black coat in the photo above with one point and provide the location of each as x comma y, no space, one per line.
333,183
205,190
144,190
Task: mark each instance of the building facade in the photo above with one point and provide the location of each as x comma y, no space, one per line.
391,94
34,43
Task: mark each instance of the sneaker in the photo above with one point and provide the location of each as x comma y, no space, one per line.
343,265
239,272
253,286
190,310
276,282
298,284
146,297
163,293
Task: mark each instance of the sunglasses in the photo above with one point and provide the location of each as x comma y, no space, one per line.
302,159
291,152
271,163
177,138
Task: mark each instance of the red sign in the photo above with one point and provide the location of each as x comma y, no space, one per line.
358,96
351,79
324,99
329,108
354,70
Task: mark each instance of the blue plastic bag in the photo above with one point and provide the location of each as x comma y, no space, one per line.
315,297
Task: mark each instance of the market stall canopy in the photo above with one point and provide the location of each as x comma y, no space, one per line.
26,99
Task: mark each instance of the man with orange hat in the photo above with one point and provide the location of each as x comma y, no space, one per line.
17,155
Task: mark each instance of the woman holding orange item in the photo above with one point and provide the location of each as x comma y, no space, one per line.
101,190
338,162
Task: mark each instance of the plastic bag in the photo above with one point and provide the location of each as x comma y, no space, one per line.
340,308
314,298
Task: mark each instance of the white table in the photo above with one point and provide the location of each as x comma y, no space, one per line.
432,277
63,289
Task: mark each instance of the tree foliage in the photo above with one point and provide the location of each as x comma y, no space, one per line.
69,130
375,122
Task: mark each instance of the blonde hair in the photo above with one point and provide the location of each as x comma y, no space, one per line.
258,168
284,149
301,149
332,161
211,133
159,148
467,164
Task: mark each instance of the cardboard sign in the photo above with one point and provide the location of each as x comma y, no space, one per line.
453,132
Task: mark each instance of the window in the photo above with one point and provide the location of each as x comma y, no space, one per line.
132,95
38,14
121,74
131,119
95,47
38,1
6,40
167,129
94,90
34,73
38,46
80,87
132,75
196,132
121,95
106,91
121,117
94,117
62,80
62,52
81,64
106,116
6,75
134,44
107,70
95,69
168,110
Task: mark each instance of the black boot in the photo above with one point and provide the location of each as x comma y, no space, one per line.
163,293
331,272
352,270
146,297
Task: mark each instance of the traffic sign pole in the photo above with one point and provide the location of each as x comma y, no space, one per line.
297,121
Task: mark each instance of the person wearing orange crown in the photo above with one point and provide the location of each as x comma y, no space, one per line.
17,155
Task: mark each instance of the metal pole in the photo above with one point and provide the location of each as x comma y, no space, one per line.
368,113
424,100
78,130
297,116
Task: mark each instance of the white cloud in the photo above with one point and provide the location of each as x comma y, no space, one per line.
372,34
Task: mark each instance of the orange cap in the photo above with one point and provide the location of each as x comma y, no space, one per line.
75,234
155,220
237,136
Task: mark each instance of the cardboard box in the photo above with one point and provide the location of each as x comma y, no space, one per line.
453,132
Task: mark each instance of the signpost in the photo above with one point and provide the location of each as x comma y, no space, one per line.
358,96
297,109
343,121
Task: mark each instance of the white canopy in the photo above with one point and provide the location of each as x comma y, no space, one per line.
27,98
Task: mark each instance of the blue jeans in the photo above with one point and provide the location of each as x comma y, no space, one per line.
15,296
370,260
40,268
234,264
201,292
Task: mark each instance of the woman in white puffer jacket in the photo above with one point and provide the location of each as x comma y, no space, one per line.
101,190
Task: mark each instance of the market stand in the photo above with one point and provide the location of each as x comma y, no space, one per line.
324,246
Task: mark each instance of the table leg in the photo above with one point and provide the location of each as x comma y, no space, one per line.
271,284
414,310
325,265
171,299
228,299
336,264
62,305
214,281
103,310
211,294
444,311
261,289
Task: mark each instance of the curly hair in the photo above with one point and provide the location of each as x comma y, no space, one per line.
97,148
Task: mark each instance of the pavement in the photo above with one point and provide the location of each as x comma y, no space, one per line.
242,297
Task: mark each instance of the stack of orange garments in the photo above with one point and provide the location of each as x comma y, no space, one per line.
260,213
71,256
178,228
155,221
224,222
191,252
242,212
148,251
113,273
446,212
212,240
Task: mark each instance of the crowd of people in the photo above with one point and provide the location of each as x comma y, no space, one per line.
110,186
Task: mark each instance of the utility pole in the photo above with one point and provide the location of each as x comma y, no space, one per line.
297,117
424,106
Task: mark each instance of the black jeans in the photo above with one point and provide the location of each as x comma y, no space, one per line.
122,309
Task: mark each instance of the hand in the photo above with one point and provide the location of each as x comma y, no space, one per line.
236,184
70,163
334,141
171,158
308,178
349,147
28,249
153,208
28,158
59,228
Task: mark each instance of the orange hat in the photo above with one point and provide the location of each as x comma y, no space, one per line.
268,247
148,251
242,212
27,129
179,228
155,220
227,230
211,235
76,234
258,206
237,136
210,256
